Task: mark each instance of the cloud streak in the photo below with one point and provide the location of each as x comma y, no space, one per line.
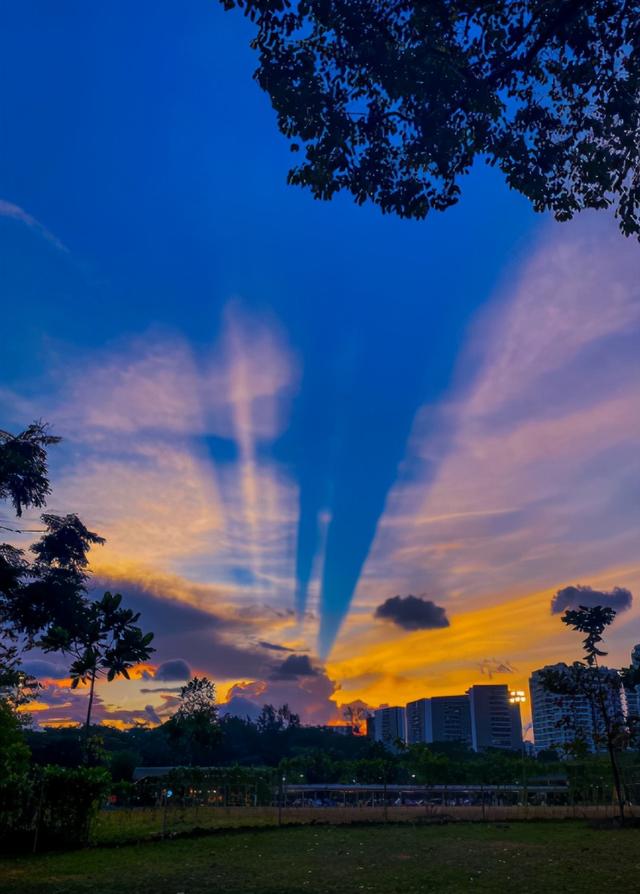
537,455
524,476
14,212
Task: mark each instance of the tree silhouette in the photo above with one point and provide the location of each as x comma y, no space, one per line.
24,481
44,602
194,727
104,641
24,474
355,714
17,687
274,720
600,687
49,592
394,100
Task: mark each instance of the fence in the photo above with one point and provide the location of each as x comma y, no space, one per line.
229,807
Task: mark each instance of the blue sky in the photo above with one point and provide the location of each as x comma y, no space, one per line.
146,226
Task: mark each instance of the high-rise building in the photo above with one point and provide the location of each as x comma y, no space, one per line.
632,695
371,728
495,721
389,725
416,720
558,719
439,719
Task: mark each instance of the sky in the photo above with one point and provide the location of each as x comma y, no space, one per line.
282,413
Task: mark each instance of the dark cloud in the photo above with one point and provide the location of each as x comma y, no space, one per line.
69,706
310,696
274,647
294,666
237,706
619,598
251,690
491,666
152,714
412,613
47,670
169,703
216,645
174,669
63,696
159,611
213,642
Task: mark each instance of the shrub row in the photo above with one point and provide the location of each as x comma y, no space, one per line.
50,807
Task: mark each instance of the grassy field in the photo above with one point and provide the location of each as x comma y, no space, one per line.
523,857
133,825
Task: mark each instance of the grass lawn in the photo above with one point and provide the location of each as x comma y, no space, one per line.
538,857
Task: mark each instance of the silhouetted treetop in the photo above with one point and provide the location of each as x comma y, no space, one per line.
65,544
393,100
24,474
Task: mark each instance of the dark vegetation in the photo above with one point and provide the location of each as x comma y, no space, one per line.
393,101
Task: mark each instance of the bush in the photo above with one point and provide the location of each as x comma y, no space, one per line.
53,807
122,765
70,800
124,794
15,782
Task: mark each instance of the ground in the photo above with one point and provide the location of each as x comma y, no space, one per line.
521,857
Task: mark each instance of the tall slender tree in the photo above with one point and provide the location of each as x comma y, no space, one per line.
599,686
104,641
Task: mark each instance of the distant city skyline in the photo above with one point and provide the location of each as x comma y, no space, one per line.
486,716
490,716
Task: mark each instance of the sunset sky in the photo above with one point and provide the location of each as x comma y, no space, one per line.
282,413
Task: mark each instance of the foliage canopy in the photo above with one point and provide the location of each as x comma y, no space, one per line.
23,466
393,100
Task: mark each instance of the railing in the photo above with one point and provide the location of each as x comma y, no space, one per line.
338,804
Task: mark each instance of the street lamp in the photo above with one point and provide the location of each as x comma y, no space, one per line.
517,697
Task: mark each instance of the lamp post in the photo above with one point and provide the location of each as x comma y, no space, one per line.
517,697
282,795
